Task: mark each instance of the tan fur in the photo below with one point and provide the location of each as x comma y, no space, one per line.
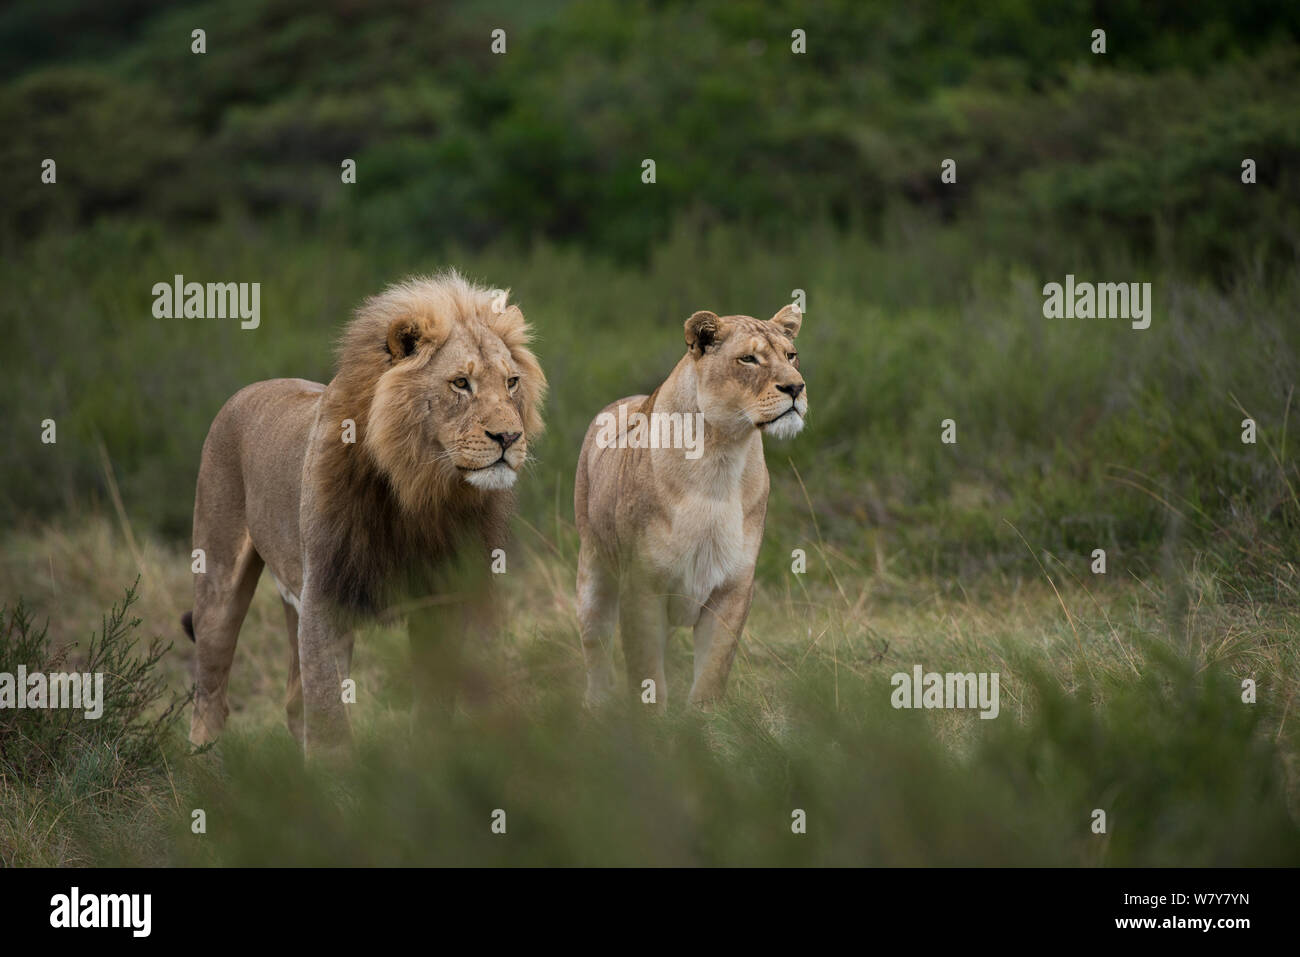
670,541
348,528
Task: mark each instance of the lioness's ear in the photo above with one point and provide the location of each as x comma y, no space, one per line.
403,337
701,330
789,319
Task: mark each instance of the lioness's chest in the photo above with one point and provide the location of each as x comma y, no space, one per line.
706,547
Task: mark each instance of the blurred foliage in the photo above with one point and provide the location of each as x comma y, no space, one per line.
1141,145
1187,775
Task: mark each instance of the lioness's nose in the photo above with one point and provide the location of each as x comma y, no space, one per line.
504,439
791,390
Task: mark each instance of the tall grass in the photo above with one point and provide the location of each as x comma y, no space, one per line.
1123,697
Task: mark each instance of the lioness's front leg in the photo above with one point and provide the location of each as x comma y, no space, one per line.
324,660
643,618
717,635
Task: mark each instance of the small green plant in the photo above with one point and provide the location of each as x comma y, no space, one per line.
62,751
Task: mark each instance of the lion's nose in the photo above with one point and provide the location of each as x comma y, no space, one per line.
504,439
791,390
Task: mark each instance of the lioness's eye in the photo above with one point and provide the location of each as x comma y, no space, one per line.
749,360
512,382
792,356
461,383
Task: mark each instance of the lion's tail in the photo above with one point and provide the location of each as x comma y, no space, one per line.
187,622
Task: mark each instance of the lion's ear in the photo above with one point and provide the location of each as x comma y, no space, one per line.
403,337
510,326
789,319
702,330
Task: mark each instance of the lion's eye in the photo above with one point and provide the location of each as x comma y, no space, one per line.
461,383
749,360
512,382
792,356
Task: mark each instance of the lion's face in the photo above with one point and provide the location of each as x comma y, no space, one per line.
747,372
475,422
457,397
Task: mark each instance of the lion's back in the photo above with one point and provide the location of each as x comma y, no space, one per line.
251,469
273,416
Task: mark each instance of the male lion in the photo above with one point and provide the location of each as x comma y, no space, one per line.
670,537
362,491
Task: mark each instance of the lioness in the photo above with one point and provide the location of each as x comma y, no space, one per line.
669,537
362,491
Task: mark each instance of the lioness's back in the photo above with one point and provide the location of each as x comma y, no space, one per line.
589,470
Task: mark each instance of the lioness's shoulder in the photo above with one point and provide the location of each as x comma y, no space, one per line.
631,402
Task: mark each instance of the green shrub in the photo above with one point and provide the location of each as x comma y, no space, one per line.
61,752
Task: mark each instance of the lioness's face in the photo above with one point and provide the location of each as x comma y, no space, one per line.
458,397
747,372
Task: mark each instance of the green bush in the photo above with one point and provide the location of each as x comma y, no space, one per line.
1139,148
60,750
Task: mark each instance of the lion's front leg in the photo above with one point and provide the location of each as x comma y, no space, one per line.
717,636
437,652
455,654
325,660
